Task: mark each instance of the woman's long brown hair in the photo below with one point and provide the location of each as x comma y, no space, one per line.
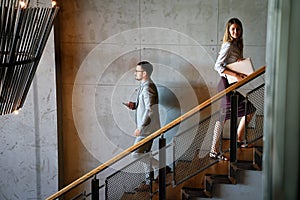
227,37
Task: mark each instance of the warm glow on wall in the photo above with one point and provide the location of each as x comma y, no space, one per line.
53,4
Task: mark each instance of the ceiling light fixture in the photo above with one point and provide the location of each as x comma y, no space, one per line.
24,31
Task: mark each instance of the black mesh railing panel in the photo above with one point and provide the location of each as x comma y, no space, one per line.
129,182
254,129
191,149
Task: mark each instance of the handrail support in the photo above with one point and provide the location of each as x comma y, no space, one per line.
233,127
95,188
162,168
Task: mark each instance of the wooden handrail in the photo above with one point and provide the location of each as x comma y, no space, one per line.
157,133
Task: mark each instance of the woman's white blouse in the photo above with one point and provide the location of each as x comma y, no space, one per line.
229,53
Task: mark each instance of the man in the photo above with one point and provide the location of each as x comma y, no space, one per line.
146,106
147,115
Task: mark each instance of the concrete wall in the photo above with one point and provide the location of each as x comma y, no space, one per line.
101,41
28,141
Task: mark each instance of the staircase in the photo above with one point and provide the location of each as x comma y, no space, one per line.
192,179
226,173
194,174
209,182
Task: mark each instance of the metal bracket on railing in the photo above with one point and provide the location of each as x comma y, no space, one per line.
95,188
162,168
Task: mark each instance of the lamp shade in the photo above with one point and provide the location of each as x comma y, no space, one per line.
24,32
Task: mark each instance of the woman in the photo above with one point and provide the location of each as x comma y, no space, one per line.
231,51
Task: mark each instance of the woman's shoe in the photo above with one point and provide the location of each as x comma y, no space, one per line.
216,156
213,155
239,144
243,144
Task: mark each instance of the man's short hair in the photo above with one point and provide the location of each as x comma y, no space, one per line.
147,67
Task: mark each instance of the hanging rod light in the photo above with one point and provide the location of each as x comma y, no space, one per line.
24,31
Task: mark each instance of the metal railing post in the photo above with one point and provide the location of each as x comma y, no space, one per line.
95,189
151,176
162,168
233,127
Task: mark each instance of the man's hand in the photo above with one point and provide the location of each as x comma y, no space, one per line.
130,105
137,132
